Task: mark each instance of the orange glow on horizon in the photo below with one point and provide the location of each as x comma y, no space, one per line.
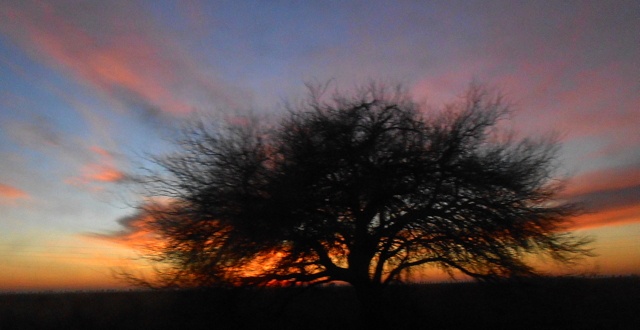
79,264
138,234
89,264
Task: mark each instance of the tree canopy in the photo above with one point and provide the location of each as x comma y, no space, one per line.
361,188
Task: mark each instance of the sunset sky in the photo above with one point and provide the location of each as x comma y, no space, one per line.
87,87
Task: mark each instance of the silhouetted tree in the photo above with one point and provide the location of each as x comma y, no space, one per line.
361,189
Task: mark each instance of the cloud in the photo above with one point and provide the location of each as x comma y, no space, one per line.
135,234
61,155
555,62
605,180
610,199
39,133
610,196
102,170
609,217
120,51
101,173
9,193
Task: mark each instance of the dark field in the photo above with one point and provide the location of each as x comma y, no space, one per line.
611,303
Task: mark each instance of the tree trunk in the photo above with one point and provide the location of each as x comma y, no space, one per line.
372,314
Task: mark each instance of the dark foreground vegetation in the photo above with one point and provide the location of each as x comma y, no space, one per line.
560,303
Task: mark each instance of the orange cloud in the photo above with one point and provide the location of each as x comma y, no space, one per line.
615,216
136,233
610,196
11,193
102,173
133,63
103,170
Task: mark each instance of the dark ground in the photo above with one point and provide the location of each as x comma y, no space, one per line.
561,303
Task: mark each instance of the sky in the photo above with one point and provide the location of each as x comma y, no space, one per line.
87,87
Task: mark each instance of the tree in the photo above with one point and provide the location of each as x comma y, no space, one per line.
361,189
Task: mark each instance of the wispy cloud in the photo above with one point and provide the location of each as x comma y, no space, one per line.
135,232
563,72
10,194
93,165
120,51
102,170
605,180
610,196
38,133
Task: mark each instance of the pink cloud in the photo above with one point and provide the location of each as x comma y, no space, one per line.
126,56
11,193
597,102
597,106
102,170
100,173
106,67
610,196
551,63
604,180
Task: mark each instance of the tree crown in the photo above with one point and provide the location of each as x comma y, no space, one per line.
359,189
